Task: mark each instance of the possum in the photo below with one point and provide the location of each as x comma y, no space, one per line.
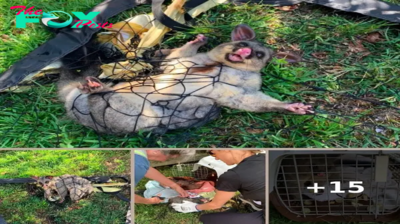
49,187
186,183
187,93
57,188
309,171
179,200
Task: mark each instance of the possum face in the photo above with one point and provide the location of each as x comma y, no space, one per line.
243,52
44,182
242,55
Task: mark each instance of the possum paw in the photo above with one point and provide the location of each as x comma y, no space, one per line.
92,85
299,108
200,39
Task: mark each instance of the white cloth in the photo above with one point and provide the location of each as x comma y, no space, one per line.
185,207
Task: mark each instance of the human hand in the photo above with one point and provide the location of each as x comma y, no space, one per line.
185,207
154,200
180,190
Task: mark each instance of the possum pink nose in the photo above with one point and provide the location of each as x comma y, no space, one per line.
244,52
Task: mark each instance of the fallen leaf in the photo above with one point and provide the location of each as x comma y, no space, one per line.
374,37
332,99
357,47
278,121
288,7
5,38
289,57
320,55
17,31
294,47
271,41
28,122
74,207
254,131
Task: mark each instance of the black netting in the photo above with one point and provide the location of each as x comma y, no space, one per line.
76,188
142,98
59,188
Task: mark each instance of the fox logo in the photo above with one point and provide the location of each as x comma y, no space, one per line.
47,18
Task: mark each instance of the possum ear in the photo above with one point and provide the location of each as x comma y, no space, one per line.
49,177
243,32
35,177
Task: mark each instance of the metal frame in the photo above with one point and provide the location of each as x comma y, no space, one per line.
357,206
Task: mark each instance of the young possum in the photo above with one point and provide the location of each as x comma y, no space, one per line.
188,89
309,171
187,183
58,188
49,187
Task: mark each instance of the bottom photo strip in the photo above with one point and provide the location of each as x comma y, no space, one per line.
204,186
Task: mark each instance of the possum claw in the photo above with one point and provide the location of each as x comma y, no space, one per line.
200,39
299,108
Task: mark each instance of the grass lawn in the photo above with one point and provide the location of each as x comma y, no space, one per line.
19,206
351,80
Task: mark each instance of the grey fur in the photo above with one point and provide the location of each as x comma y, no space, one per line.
307,174
185,94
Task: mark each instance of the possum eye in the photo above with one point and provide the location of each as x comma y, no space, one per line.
243,44
260,54
46,182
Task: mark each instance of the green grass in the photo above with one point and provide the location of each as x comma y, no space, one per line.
345,84
19,206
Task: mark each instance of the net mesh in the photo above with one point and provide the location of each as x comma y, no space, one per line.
66,185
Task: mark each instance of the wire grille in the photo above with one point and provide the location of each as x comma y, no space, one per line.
298,172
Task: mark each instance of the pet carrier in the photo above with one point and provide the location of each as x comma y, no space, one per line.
206,167
336,185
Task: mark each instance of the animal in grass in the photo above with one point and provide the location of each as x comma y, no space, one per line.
305,172
185,94
57,188
199,200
